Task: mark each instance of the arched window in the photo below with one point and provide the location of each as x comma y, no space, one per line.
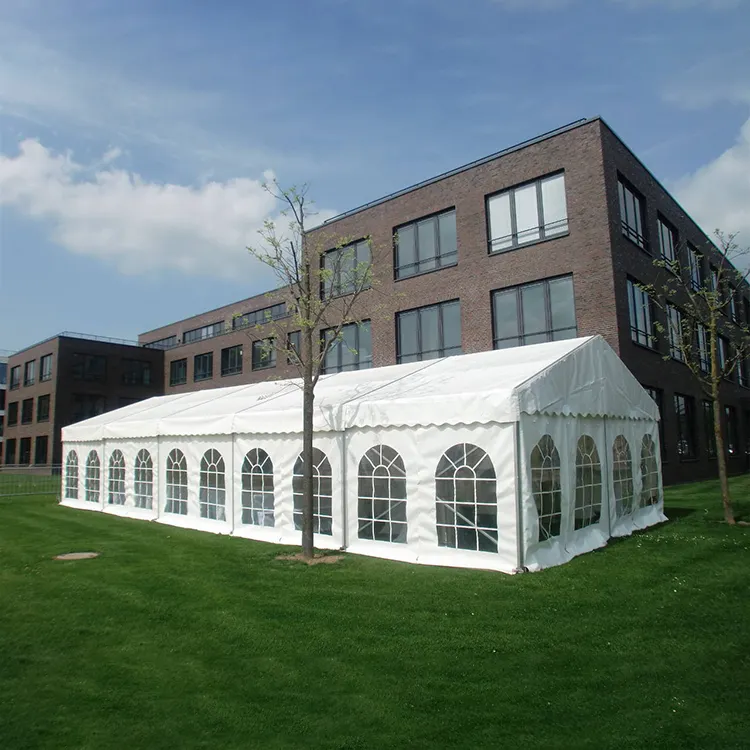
649,472
257,488
71,476
116,479
545,486
382,495
93,477
144,480
213,486
177,483
322,493
622,472
466,499
588,508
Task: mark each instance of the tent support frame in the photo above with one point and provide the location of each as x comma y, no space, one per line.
520,568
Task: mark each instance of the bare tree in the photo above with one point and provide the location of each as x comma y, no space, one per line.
704,329
322,279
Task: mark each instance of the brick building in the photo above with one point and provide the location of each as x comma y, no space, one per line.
68,378
545,240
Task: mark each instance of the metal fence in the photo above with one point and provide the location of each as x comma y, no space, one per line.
18,481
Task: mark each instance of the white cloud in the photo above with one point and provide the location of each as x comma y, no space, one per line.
139,226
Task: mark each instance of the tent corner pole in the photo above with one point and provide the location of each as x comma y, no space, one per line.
520,568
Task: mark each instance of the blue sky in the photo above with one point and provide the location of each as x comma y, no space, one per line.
134,137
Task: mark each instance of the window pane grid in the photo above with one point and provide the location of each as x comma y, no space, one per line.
588,505
353,351
674,319
631,215
426,245
622,471
683,406
641,316
546,488
71,476
348,268
382,496
93,477
322,493
429,332
144,480
212,486
116,483
177,483
257,489
649,473
178,372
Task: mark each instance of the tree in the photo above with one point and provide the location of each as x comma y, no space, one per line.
322,278
703,326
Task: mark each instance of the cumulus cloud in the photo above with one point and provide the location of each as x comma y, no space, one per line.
139,226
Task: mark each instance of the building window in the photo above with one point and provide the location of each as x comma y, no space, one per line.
381,496
534,313
588,507
204,332
708,427
178,372
258,317
746,306
177,483
136,372
203,366
89,367
264,354
733,436
27,411
695,263
93,477
346,270
352,351
29,370
86,405
546,488
293,347
668,246
713,283
71,476
45,368
10,452
15,377
676,339
213,486
24,451
640,308
143,477
528,213
42,409
631,214
731,296
116,495
3,394
231,360
684,411
649,473
41,445
322,493
657,395
12,413
701,335
166,343
722,350
257,489
3,373
429,332
426,245
622,472
742,372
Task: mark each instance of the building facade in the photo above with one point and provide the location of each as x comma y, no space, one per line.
3,393
68,378
549,239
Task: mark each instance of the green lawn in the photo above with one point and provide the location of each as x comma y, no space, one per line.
177,639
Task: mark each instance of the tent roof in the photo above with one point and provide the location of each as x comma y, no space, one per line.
575,377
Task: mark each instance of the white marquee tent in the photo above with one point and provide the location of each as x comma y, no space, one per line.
511,459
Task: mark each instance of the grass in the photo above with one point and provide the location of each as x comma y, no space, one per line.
177,639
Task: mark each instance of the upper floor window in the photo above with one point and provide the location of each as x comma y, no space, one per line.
631,214
203,366
731,295
178,372
258,317
12,416
426,245
695,264
3,373
136,372
45,367
293,347
528,213
667,241
15,377
685,411
42,408
346,269
86,405
676,340
166,343
722,348
534,313
641,311
231,360
733,438
90,367
708,427
429,332
352,351
264,354
27,411
29,370
204,332
701,335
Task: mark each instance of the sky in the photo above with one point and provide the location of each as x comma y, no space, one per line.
135,138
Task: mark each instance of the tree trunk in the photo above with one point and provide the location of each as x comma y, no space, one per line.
722,462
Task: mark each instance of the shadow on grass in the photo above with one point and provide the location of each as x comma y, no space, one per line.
675,514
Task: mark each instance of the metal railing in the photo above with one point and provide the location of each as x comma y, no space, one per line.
20,481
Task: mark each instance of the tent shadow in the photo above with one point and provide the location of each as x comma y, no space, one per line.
674,514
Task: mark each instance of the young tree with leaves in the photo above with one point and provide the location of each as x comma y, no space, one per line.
703,326
322,280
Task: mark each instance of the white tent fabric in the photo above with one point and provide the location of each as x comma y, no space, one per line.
473,512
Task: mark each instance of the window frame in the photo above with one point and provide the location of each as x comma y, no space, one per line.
657,396
636,334
419,354
632,233
40,440
212,487
338,348
44,398
257,489
695,265
732,431
29,373
208,331
381,496
143,480
45,371
227,369
12,413
675,322
83,369
201,375
665,227
686,419
15,378
439,258
250,318
333,287
172,381
258,346
707,414
135,371
27,411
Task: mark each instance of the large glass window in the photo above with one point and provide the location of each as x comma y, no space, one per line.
213,486
676,339
42,408
668,246
528,213
168,342
657,396
15,377
708,427
466,499
203,366
732,309
29,370
429,332
346,269
177,483
631,214
426,245
40,449
27,411
264,354
546,488
733,435
622,472
649,472
352,351
178,372
93,477
89,367
685,414
293,347
640,308
704,357
86,405
231,360
45,367
257,489
71,476
204,332
534,313
322,493
258,317
12,415
695,264
10,451
588,507
382,496
116,478
136,372
143,477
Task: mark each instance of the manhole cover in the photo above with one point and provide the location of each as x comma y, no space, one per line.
77,556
